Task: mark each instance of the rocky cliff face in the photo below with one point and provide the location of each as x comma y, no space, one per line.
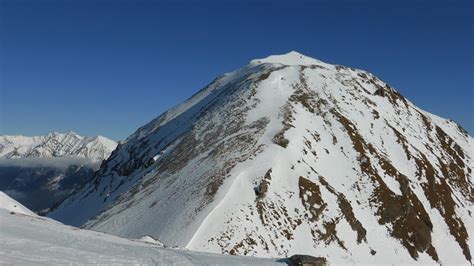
291,155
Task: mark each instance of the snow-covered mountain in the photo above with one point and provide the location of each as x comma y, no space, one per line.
42,171
27,239
291,155
56,145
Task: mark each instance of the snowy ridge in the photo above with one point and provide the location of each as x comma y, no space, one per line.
291,155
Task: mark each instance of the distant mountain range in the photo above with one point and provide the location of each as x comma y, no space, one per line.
290,155
56,144
42,171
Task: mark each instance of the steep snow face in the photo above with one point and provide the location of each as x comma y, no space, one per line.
29,239
291,155
56,145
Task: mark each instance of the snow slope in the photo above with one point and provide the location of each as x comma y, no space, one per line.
291,155
11,205
29,239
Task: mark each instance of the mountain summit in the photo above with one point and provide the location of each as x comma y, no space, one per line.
290,59
291,155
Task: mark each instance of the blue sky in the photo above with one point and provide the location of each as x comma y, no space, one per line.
107,67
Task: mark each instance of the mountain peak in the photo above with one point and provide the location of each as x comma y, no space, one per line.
284,151
70,133
291,58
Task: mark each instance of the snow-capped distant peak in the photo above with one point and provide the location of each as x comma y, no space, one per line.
69,133
291,58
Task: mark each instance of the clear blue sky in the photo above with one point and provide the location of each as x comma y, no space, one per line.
107,67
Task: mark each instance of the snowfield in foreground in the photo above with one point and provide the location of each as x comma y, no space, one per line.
26,238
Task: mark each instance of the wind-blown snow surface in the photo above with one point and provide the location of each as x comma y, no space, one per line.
291,155
26,238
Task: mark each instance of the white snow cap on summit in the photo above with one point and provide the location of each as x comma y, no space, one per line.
291,58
